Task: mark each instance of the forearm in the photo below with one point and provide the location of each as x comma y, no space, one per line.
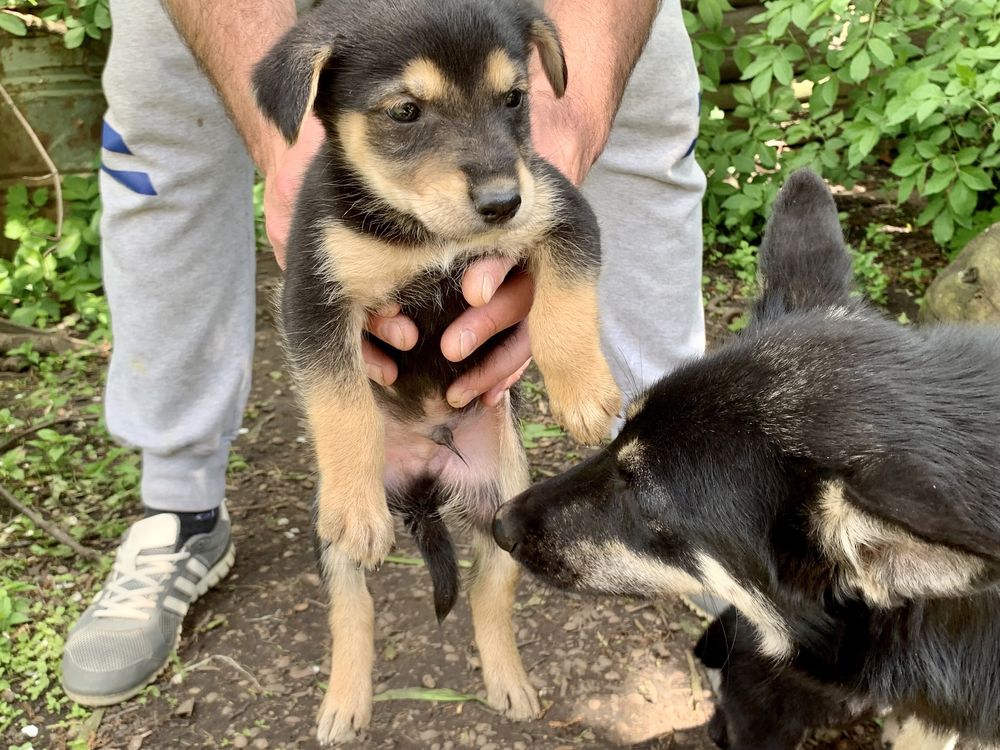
602,40
227,39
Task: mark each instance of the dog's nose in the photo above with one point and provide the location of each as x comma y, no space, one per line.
507,529
496,206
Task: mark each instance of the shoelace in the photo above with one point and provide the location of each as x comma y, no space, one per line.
136,602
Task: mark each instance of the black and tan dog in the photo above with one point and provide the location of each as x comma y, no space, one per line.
427,165
833,475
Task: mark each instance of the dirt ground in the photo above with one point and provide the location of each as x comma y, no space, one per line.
253,660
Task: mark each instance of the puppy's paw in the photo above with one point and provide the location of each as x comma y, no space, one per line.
363,530
587,408
513,695
346,711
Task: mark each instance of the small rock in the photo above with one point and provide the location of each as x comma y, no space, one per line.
212,697
29,730
185,708
240,740
301,607
428,681
300,673
260,743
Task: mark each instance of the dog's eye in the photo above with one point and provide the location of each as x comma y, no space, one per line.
514,98
405,112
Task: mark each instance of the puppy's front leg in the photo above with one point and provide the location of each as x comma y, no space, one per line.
347,705
348,435
566,342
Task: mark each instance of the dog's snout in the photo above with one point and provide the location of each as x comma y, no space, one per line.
496,205
508,530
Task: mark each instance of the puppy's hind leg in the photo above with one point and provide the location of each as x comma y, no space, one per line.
347,705
492,591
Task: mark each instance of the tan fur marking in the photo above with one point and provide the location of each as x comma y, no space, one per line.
348,436
491,597
915,735
565,341
425,80
347,705
636,405
500,75
438,195
884,562
631,454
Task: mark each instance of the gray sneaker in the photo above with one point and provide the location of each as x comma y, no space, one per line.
123,640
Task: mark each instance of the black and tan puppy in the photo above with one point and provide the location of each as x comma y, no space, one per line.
832,474
427,165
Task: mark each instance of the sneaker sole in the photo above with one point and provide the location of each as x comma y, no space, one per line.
215,574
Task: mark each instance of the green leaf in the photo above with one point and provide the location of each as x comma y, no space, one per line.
860,66
783,71
12,24
881,51
74,37
938,182
962,199
800,15
975,178
710,12
437,695
944,228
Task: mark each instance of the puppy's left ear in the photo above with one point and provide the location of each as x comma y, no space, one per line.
543,34
286,79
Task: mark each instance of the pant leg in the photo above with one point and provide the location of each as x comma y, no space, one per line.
646,190
178,254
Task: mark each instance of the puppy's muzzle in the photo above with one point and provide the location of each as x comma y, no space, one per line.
508,528
496,205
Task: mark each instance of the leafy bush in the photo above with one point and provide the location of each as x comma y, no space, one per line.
839,85
47,278
83,18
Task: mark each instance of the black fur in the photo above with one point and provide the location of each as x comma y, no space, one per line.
729,458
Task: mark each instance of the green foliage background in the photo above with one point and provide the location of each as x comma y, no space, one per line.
911,84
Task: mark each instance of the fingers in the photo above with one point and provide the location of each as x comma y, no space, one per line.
508,306
398,331
506,361
378,365
483,278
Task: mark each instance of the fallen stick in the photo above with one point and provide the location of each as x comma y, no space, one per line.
53,531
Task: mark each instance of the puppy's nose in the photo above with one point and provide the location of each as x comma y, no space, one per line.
508,530
496,206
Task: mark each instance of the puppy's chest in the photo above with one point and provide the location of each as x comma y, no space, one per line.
372,273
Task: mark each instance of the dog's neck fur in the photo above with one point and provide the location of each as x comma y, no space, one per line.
357,207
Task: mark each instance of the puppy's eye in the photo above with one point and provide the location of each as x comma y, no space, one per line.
513,98
405,112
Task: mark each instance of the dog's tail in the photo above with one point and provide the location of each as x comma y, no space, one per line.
803,263
419,508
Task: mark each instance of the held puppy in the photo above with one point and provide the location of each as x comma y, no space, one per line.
427,165
833,475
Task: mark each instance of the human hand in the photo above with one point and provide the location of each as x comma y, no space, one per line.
282,180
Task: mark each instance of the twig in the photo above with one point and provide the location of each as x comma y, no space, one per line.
53,170
228,660
53,27
29,431
53,531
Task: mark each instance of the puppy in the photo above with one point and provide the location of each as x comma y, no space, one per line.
427,165
833,475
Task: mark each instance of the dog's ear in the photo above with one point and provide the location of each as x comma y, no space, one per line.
802,262
286,78
927,504
543,34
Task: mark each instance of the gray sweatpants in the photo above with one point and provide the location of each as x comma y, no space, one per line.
178,246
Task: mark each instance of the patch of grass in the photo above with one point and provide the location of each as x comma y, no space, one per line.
75,477
532,432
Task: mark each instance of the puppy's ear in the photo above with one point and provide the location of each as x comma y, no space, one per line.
543,34
286,78
803,263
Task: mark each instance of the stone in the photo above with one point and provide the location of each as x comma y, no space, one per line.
968,290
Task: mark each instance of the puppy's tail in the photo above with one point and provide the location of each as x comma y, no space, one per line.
803,263
419,508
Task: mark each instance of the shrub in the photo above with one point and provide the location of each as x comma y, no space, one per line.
839,85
